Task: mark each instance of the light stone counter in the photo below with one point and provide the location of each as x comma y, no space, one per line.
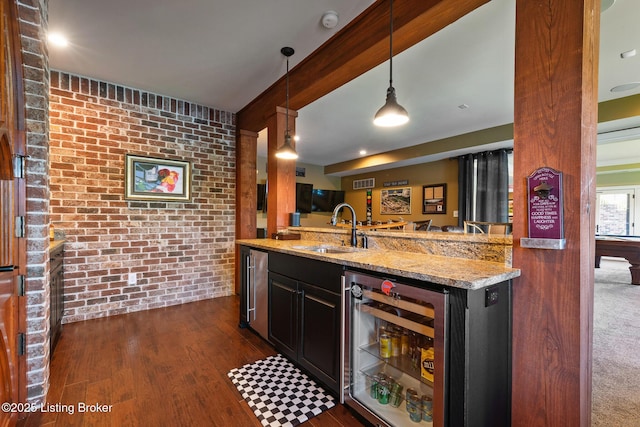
484,247
444,270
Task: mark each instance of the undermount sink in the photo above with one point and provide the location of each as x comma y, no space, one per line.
327,249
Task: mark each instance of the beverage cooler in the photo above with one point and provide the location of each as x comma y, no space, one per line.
395,351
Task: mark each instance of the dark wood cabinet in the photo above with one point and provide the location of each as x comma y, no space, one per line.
304,322
320,332
284,307
56,261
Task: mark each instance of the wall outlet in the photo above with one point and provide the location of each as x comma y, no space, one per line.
491,296
455,214
133,279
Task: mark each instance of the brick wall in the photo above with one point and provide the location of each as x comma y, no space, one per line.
179,252
32,27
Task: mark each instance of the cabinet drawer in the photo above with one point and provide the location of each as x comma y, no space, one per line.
322,274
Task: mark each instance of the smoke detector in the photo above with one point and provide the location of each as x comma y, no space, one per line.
329,19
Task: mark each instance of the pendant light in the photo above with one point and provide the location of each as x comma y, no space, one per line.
391,113
287,151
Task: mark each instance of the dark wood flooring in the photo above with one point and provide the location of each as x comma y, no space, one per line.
161,367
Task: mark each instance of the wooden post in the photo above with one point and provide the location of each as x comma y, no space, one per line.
555,119
281,174
246,197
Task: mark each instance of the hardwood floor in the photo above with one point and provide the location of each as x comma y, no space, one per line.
160,367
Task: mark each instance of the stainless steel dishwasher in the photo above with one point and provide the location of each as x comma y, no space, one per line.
254,310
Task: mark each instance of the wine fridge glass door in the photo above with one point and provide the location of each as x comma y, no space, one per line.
396,351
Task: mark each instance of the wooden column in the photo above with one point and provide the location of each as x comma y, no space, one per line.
246,195
281,174
555,118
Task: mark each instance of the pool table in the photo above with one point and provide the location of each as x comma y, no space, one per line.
623,247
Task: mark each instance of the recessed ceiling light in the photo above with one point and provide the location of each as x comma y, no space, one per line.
363,152
626,86
57,39
628,54
606,4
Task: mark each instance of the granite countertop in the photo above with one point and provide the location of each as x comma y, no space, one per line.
449,271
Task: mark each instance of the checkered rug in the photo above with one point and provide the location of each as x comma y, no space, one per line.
278,393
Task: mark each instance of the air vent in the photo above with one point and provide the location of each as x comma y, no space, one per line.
364,183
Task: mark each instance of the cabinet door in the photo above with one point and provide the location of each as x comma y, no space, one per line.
283,314
57,297
320,337
60,294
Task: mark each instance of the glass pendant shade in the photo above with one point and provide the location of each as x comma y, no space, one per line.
286,151
391,113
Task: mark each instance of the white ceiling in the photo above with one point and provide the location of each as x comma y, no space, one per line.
224,53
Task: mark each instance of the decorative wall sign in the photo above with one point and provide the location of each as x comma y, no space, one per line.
545,212
396,201
300,171
544,189
434,199
395,183
152,179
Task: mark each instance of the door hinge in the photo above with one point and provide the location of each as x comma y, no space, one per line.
20,231
19,166
22,344
20,284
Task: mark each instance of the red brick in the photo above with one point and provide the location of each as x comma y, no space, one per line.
157,240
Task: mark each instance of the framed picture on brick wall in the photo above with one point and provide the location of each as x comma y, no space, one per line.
151,179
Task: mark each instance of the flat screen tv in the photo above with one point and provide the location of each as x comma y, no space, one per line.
326,200
304,194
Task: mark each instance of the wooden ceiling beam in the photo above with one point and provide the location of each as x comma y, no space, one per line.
360,46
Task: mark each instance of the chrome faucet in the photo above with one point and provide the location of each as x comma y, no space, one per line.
334,221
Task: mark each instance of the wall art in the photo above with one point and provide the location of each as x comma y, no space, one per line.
434,199
150,179
395,201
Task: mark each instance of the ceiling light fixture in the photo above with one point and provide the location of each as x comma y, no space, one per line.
287,151
391,113
606,4
625,87
57,39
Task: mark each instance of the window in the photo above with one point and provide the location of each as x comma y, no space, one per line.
616,211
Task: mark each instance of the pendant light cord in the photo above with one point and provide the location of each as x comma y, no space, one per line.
287,116
391,44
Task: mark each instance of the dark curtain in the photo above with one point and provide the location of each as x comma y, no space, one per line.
492,190
465,188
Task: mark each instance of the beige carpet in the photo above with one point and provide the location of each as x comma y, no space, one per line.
616,348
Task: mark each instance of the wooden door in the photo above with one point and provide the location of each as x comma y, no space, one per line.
8,353
12,215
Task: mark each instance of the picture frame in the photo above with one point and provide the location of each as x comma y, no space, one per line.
396,201
434,199
156,179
